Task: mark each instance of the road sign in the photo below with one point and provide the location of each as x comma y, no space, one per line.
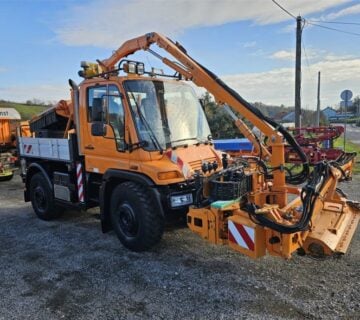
346,104
346,95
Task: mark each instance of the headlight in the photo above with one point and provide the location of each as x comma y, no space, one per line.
181,200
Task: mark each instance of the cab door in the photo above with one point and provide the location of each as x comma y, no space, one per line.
104,132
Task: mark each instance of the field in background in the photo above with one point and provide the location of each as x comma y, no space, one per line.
26,111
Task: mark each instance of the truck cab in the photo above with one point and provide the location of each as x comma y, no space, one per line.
140,140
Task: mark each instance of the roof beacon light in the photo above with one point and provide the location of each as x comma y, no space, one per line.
140,68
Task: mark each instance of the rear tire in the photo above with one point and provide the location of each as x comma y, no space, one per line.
135,218
42,198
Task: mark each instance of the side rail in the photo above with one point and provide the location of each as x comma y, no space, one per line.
46,148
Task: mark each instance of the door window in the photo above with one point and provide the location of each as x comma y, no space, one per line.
110,98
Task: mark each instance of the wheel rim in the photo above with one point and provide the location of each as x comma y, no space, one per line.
127,220
40,199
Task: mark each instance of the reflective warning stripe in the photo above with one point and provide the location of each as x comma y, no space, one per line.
242,235
27,148
79,178
183,166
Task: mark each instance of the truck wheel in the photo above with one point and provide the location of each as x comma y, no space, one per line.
134,217
42,199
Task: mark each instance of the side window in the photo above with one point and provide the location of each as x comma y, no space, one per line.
95,95
116,115
110,98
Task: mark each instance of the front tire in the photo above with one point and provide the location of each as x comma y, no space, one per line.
135,218
42,198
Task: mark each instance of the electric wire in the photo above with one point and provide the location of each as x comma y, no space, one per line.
335,22
333,29
306,57
285,10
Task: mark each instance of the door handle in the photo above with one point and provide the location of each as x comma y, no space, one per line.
90,147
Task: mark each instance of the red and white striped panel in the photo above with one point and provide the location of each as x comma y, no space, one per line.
183,166
80,184
242,235
27,148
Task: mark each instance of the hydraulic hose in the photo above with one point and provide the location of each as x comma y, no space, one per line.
292,179
309,195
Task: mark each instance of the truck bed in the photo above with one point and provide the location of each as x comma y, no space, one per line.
46,148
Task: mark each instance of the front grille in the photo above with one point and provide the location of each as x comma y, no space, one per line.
196,165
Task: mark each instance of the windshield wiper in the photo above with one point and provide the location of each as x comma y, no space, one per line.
180,140
138,145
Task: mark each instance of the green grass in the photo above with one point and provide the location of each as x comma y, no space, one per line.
26,111
350,147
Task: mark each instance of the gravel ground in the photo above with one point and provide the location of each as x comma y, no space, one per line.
68,269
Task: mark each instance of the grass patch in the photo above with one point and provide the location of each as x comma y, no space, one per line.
26,111
350,147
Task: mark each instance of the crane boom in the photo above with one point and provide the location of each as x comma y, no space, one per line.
199,75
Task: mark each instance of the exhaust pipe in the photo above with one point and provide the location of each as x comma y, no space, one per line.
75,89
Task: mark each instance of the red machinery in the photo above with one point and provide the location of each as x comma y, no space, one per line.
316,142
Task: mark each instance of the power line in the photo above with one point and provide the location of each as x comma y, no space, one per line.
303,45
307,60
282,8
335,22
333,29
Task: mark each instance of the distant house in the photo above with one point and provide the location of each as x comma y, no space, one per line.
329,113
289,117
278,116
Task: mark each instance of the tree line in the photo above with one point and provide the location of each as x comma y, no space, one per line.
223,127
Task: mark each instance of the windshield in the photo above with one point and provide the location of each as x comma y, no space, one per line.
166,114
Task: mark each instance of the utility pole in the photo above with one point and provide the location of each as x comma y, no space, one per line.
298,72
318,103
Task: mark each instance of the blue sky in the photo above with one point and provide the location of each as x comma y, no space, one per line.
249,43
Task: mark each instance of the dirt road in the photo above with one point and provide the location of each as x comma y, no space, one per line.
68,269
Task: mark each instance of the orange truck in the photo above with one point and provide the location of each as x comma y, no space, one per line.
9,120
136,143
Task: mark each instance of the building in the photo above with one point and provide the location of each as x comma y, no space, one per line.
329,113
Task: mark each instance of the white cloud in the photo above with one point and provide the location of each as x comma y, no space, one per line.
334,57
290,54
250,44
289,28
355,9
44,92
2,69
108,23
283,55
258,53
277,86
272,87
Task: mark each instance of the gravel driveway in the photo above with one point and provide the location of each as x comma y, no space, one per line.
68,269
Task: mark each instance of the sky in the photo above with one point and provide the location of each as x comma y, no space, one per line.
250,44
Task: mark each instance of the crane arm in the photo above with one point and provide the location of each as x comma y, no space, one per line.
190,69
199,75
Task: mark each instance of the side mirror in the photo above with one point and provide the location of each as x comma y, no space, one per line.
98,129
97,110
